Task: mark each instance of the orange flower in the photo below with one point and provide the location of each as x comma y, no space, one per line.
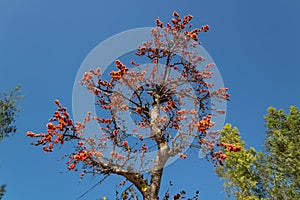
182,156
202,141
120,157
230,147
119,64
48,138
83,156
50,146
50,126
205,28
76,157
158,23
175,21
166,109
125,143
71,166
175,14
193,112
47,149
30,134
87,76
113,154
57,103
144,147
140,136
80,143
171,104
98,154
138,110
132,62
123,107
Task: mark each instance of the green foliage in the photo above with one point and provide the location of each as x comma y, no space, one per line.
8,111
271,174
239,170
282,156
2,190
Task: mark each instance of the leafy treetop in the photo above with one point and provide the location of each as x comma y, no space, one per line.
273,173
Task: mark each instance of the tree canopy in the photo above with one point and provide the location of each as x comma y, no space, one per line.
169,101
8,113
273,173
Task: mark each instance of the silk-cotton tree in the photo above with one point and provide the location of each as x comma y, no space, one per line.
153,96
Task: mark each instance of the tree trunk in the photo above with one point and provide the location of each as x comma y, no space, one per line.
162,154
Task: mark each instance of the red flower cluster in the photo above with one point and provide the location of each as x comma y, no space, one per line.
71,166
158,23
125,143
222,94
183,156
204,124
57,127
180,24
118,74
230,147
170,105
81,155
177,196
138,110
218,158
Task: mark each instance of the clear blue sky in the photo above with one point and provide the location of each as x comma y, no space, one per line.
256,45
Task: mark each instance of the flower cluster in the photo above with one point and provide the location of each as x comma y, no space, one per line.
170,105
221,94
204,124
179,24
230,147
57,128
120,73
219,156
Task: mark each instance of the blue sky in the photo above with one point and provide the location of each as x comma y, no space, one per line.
255,44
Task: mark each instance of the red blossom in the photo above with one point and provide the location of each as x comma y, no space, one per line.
57,103
182,156
71,166
159,23
175,14
125,143
230,147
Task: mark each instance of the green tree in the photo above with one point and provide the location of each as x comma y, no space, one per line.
2,190
8,112
273,173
